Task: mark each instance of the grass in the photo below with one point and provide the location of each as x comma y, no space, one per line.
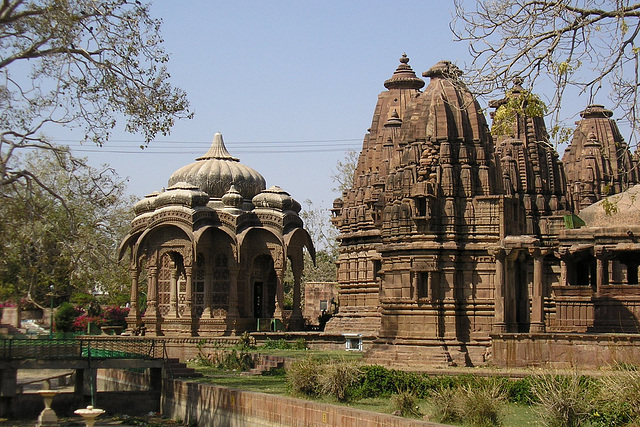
511,414
515,415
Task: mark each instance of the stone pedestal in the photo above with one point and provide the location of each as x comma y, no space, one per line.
47,416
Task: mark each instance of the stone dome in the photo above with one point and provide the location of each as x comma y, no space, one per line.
276,198
217,170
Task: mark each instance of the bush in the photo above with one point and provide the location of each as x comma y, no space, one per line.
563,400
65,317
233,361
246,341
379,381
444,405
337,378
406,403
302,376
619,399
519,391
479,404
115,316
81,323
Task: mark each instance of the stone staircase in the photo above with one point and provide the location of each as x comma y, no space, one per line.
265,362
9,330
412,357
176,369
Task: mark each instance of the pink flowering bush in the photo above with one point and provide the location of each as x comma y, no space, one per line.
115,316
81,322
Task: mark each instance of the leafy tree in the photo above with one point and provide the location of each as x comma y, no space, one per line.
62,240
324,235
65,316
345,168
80,64
588,45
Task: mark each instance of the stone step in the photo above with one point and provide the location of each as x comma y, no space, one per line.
177,369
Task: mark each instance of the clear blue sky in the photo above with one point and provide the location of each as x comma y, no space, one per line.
291,85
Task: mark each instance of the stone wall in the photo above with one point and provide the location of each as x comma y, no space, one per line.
209,405
565,350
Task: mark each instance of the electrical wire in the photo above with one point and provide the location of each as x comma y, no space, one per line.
199,147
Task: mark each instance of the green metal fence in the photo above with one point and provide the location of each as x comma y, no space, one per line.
117,348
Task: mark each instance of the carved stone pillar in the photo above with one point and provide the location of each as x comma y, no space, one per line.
279,311
537,300
296,322
564,273
189,317
208,285
152,315
499,325
152,292
173,292
602,268
134,313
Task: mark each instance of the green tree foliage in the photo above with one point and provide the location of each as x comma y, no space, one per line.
65,316
344,171
324,235
62,235
506,116
583,46
80,64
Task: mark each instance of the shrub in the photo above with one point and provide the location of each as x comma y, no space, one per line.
379,381
233,361
246,341
563,400
115,316
477,403
65,317
519,391
619,399
302,376
337,378
444,405
481,405
406,403
280,344
300,344
81,323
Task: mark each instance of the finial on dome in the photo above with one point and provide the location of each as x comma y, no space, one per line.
218,150
404,77
232,198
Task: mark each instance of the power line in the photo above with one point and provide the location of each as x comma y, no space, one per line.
133,141
198,147
193,152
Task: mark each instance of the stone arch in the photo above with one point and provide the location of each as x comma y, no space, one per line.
215,274
262,258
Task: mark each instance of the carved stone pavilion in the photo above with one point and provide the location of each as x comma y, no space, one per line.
458,247
214,247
